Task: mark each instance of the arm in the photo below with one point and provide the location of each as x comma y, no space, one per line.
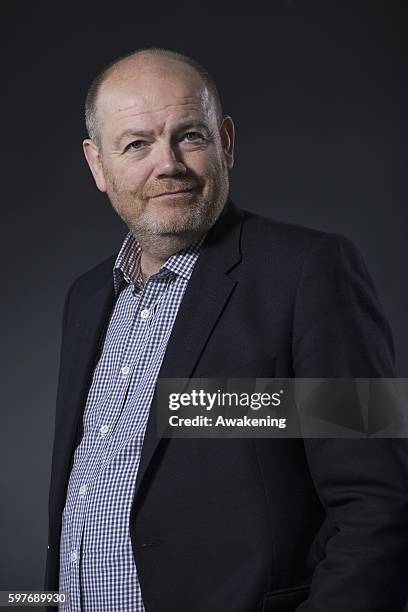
340,331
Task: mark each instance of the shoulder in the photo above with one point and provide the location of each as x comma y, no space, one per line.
289,245
94,279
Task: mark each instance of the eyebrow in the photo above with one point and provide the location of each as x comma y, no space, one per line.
146,133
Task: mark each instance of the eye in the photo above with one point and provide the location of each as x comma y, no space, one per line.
194,136
135,145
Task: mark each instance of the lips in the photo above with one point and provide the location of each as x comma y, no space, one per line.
172,192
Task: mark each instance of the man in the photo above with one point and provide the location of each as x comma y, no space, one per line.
202,288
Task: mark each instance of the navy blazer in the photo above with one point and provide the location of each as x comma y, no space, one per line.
251,525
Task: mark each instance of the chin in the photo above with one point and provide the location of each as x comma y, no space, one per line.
175,219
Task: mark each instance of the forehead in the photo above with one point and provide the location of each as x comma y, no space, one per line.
147,95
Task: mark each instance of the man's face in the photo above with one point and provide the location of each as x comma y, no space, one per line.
163,157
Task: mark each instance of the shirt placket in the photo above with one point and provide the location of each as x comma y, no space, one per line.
140,349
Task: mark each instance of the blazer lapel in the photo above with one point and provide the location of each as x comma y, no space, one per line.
204,300
85,328
90,329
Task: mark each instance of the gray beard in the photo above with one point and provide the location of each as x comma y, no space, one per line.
198,219
167,239
187,227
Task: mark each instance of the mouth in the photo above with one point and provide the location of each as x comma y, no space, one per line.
173,193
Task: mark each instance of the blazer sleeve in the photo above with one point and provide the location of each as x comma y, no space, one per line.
340,331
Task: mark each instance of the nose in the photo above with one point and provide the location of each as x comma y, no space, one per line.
168,163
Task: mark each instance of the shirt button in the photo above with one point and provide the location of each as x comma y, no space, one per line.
82,489
104,429
73,556
125,370
145,314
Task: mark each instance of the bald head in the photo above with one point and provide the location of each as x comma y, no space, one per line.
137,69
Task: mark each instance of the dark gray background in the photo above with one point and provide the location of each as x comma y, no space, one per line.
318,94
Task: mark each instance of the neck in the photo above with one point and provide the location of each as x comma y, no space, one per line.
155,252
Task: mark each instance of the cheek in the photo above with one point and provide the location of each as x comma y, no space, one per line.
133,177
207,164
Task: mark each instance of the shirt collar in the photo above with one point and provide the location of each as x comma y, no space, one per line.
127,265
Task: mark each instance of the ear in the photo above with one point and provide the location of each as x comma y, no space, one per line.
92,156
227,131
